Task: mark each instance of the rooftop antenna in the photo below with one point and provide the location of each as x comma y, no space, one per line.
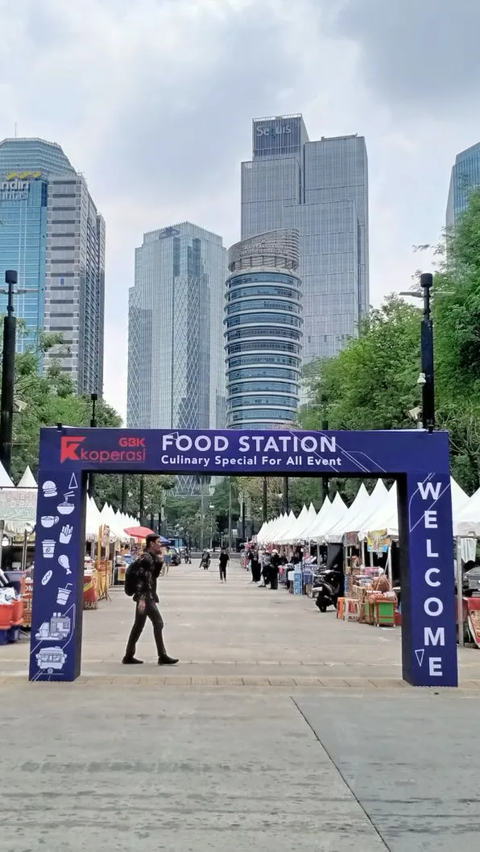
15,130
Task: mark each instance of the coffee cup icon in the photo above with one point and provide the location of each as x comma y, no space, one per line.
48,548
50,521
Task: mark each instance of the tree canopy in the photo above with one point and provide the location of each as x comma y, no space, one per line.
372,383
48,397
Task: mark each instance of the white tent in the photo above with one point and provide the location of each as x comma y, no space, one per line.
5,481
275,528
467,522
336,531
28,480
291,533
317,519
311,518
93,520
385,515
333,514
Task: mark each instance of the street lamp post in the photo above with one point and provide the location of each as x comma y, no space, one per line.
265,500
286,500
93,425
8,374
124,492
428,388
427,376
142,499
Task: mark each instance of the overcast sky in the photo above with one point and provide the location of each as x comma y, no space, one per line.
153,101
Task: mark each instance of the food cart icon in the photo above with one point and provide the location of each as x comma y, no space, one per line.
51,659
57,628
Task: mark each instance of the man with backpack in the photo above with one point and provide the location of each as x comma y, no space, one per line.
141,584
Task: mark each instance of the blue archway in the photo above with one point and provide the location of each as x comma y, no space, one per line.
418,460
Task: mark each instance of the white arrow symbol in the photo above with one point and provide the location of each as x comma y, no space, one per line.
420,655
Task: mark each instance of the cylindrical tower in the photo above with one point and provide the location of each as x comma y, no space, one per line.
263,319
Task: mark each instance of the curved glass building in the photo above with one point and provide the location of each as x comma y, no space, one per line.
263,334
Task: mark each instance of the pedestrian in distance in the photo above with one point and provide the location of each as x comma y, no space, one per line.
141,584
255,566
223,561
205,560
275,562
167,560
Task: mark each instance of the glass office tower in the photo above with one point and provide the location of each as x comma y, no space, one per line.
263,319
465,177
176,366
321,189
52,234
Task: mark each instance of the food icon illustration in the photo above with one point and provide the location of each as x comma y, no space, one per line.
48,548
49,489
64,594
66,508
57,628
51,659
65,563
66,535
47,577
50,521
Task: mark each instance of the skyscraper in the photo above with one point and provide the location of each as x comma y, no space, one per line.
263,317
176,364
52,234
465,177
321,189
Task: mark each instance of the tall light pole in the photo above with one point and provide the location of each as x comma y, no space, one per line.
8,374
93,425
427,376
229,513
142,499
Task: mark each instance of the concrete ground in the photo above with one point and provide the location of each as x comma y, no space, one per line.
282,728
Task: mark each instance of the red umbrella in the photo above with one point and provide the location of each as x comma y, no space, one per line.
139,532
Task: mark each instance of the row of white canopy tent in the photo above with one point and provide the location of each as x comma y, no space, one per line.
18,510
116,521
368,513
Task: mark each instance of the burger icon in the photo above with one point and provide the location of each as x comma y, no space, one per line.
49,489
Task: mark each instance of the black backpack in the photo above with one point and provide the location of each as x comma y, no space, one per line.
131,578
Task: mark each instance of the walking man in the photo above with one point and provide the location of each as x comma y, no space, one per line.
147,570
223,561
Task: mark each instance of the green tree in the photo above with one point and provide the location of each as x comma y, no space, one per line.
372,383
45,399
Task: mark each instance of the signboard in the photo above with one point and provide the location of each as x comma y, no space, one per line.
18,507
239,452
418,460
15,186
277,136
378,541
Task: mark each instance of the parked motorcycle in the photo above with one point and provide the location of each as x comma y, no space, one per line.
328,588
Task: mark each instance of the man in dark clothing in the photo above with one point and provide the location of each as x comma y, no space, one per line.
223,561
274,569
146,599
255,565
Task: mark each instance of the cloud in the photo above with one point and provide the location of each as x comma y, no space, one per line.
417,53
153,102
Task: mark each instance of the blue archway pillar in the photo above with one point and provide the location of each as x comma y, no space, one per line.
429,644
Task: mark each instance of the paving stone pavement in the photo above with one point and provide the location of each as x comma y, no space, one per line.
282,729
239,635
